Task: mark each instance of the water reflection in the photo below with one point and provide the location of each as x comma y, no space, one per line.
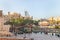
40,36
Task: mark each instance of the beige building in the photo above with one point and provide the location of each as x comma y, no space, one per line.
2,26
14,15
1,23
43,24
4,29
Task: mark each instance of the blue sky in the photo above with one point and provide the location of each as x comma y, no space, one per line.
36,8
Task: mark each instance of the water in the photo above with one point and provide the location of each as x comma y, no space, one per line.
39,36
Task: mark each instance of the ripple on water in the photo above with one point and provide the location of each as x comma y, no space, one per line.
39,36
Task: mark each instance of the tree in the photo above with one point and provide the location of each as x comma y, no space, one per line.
36,22
57,27
52,21
27,21
14,23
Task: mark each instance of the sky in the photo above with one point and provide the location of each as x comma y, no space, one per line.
36,8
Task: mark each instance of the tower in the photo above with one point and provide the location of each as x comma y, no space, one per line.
8,13
1,13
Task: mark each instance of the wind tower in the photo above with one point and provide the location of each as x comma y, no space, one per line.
1,14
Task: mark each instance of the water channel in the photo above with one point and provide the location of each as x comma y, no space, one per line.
40,36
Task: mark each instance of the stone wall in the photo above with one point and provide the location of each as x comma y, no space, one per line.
12,39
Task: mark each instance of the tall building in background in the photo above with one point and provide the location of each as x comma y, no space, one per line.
27,14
